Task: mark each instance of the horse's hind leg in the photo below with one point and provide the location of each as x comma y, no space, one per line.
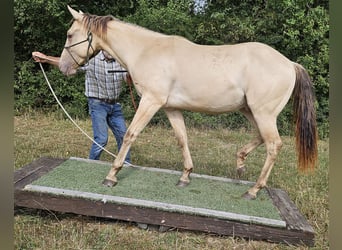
245,150
177,122
269,132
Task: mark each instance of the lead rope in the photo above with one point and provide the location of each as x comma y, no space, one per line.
129,83
60,104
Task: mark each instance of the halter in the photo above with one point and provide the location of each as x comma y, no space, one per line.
89,40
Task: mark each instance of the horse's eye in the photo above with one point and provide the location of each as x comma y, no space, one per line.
69,36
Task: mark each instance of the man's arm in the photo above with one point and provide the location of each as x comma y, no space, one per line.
40,57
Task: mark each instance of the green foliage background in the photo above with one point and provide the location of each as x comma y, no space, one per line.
297,28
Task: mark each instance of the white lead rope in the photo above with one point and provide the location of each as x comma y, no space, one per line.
60,104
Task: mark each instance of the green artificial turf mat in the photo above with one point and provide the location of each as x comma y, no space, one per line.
136,183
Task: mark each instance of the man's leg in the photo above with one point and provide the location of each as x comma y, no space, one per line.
116,122
98,114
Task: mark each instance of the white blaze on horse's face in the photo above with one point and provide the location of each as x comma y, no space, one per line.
76,47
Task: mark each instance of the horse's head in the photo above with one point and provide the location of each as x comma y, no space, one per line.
79,45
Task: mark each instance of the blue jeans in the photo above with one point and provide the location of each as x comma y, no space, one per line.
104,115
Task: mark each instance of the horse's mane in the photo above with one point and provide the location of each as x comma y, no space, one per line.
97,24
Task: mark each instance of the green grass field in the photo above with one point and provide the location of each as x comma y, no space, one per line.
213,152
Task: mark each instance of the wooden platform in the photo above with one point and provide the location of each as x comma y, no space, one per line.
292,229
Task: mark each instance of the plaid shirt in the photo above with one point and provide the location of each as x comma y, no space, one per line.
98,82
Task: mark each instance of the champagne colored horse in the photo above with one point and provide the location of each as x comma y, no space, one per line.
174,74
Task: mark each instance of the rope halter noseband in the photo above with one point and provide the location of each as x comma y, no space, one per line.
89,39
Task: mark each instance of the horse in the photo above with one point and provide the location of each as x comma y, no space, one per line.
174,74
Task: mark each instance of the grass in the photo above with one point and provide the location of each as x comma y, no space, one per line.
213,152
160,187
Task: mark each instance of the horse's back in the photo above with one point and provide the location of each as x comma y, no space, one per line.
225,77
233,61
216,79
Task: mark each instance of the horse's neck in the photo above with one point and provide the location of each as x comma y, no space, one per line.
127,41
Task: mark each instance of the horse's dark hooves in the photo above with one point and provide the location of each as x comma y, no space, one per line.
182,184
240,171
109,183
248,196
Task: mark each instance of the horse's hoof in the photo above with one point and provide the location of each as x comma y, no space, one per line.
240,171
109,183
248,196
182,183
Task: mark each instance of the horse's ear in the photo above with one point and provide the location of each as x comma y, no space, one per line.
75,14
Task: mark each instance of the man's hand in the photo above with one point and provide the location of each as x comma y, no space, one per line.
42,58
39,57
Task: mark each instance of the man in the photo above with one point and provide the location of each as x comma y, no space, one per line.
103,88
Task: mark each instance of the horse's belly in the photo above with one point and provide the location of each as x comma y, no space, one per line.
206,102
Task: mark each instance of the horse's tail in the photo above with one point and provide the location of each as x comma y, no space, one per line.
305,120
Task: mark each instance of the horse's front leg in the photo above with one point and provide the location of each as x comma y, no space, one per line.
177,122
147,108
